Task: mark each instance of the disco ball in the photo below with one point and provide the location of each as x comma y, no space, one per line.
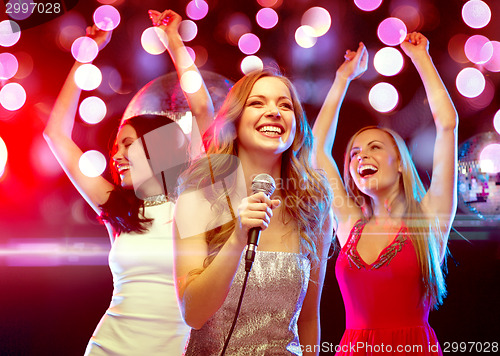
479,179
164,96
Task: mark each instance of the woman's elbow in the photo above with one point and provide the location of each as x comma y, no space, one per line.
193,319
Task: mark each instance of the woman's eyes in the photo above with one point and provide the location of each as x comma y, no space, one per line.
287,106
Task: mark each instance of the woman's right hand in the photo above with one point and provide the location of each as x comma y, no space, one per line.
355,64
101,37
254,211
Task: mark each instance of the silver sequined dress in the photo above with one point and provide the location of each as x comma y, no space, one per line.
267,323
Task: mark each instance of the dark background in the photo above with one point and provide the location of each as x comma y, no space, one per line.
52,298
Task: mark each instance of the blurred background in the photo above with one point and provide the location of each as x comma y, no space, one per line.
54,280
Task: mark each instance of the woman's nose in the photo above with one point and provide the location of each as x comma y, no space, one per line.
273,111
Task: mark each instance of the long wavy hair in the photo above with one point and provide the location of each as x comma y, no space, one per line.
123,210
306,203
425,234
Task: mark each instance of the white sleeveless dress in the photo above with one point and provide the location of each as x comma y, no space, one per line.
143,317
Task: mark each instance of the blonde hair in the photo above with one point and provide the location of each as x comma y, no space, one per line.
425,234
307,202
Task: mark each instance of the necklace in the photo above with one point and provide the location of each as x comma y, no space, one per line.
155,200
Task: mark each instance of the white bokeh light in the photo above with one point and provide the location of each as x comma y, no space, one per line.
496,122
470,82
92,110
10,33
383,97
3,156
388,61
188,30
92,163
153,40
12,96
88,77
476,13
251,63
317,18
489,158
191,81
305,36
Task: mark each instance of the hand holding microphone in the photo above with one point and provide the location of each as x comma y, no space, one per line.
255,213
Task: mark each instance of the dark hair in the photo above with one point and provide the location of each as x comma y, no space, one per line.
123,210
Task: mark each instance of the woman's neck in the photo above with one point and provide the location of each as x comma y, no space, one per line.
390,205
254,164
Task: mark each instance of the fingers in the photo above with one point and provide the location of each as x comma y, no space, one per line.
162,18
257,211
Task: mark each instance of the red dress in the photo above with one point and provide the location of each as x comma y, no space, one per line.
383,301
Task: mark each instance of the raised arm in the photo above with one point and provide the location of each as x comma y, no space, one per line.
441,198
202,294
324,130
200,101
59,128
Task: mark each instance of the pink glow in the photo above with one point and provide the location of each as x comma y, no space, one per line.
392,31
493,65
267,18
197,9
106,17
249,43
8,65
367,5
84,49
478,49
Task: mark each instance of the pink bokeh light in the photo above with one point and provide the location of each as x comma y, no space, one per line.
493,65
249,43
478,49
367,5
106,17
197,9
8,65
266,18
84,49
392,31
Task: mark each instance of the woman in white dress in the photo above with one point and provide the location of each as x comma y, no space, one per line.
143,317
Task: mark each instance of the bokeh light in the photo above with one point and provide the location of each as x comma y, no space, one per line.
153,39
12,96
367,5
410,15
305,36
92,163
10,33
485,98
3,156
267,18
392,31
25,7
8,65
388,61
237,25
88,77
493,65
470,82
249,43
197,9
25,65
489,159
106,17
92,110
84,49
456,46
251,63
42,159
319,19
187,59
383,97
188,30
476,13
201,56
478,49
267,3
496,121
191,81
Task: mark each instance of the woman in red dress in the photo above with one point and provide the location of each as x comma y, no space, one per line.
393,232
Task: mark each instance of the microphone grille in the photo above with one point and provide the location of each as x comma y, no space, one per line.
263,183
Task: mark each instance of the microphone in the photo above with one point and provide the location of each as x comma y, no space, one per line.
261,183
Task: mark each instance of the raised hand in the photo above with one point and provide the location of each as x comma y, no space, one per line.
167,20
101,37
355,64
415,45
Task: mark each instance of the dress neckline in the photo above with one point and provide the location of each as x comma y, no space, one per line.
384,256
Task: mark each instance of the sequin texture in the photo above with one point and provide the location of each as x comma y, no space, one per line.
267,323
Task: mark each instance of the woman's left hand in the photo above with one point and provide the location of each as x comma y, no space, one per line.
355,64
415,45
